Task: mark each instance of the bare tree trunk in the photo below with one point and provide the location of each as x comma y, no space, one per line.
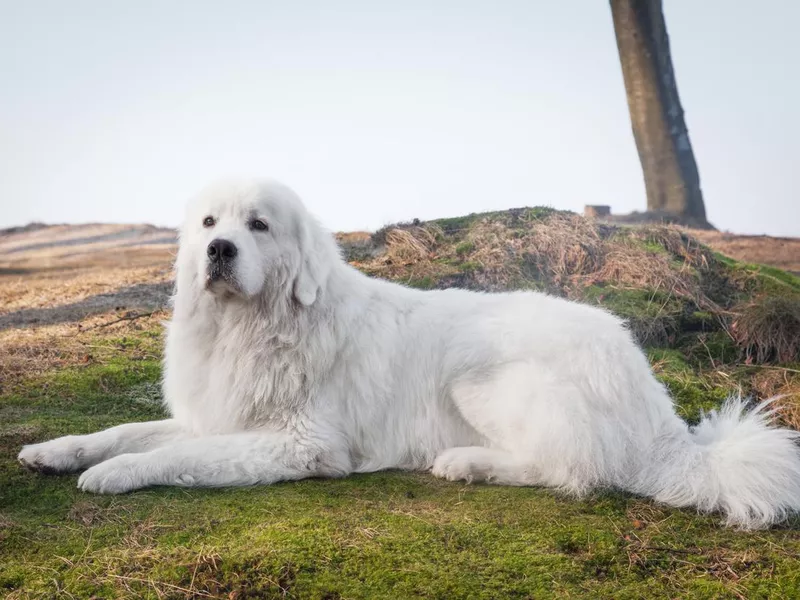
670,171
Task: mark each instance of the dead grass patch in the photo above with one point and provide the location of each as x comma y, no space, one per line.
643,514
789,404
408,254
28,352
567,253
409,246
86,513
761,383
768,329
674,563
780,252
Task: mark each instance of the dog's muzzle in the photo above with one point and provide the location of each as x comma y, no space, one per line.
221,257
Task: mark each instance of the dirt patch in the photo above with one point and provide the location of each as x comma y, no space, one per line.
783,253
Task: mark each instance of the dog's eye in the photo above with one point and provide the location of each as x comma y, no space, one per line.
258,225
208,222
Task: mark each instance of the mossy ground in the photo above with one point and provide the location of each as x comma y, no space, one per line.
390,535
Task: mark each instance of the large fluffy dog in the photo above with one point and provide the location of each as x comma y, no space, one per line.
282,362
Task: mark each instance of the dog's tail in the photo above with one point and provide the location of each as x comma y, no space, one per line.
733,462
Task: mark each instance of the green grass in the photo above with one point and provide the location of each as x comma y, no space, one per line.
386,535
775,280
512,217
421,283
693,392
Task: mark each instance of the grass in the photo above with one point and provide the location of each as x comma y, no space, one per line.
401,535
386,535
768,328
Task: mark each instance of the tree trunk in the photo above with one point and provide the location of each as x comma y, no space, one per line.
670,171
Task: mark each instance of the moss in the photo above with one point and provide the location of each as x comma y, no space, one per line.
469,266
775,280
649,244
363,537
632,302
421,283
653,246
673,360
762,279
726,260
464,248
710,349
693,392
384,535
514,217
702,319
654,317
457,224
542,212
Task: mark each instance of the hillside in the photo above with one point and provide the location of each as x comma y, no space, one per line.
80,349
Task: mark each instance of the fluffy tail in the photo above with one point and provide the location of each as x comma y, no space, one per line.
733,462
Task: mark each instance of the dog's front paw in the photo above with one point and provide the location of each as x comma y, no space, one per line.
117,475
62,455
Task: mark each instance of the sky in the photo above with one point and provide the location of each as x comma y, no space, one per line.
377,111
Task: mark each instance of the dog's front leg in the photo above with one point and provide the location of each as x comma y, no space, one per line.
76,452
222,460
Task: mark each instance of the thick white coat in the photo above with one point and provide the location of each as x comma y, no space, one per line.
301,366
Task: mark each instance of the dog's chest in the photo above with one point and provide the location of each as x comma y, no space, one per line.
238,380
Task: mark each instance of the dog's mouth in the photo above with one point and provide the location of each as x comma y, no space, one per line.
220,279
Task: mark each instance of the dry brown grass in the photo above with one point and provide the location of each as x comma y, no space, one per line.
673,562
409,246
563,249
768,329
30,351
564,252
86,513
63,290
781,384
407,253
789,403
783,253
678,242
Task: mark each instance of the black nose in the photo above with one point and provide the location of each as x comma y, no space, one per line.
221,250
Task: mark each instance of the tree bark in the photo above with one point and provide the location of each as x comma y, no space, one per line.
671,178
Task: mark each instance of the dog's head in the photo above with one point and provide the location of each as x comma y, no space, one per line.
243,239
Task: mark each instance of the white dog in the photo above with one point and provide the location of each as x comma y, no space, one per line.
283,362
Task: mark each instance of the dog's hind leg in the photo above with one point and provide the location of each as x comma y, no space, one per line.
477,464
539,430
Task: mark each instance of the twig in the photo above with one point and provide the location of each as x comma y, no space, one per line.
161,583
121,319
698,552
702,339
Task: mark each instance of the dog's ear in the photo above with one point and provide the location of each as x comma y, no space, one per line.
316,258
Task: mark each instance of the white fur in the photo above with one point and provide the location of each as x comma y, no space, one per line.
303,367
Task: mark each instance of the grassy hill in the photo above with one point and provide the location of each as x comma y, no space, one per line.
80,349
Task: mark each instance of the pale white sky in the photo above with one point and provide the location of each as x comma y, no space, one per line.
377,111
